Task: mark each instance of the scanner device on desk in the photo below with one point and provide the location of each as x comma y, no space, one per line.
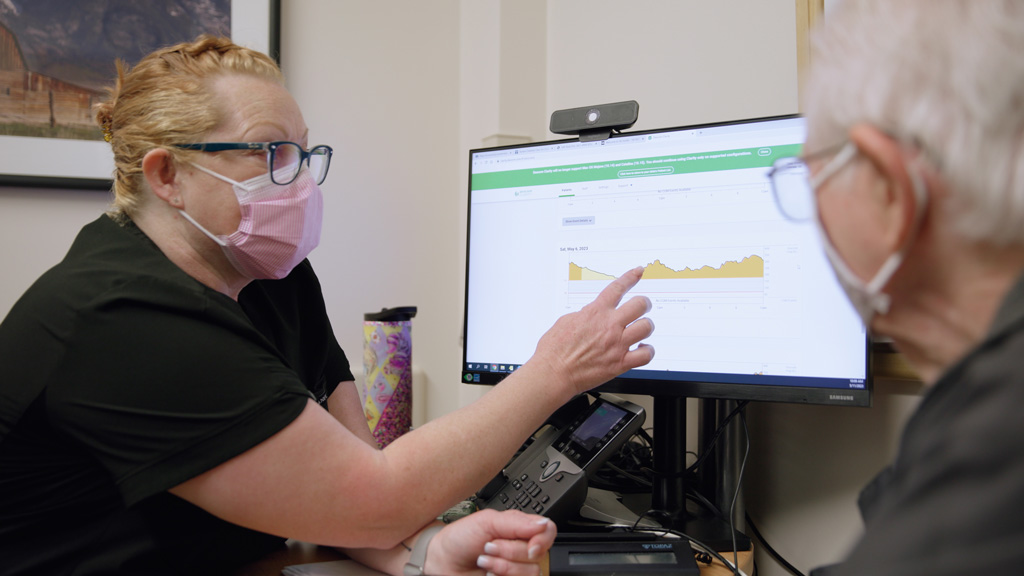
621,553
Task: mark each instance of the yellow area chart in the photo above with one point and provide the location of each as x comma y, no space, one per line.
750,267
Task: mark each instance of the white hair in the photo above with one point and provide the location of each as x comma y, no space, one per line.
945,75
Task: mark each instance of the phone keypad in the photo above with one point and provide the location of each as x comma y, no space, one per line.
530,496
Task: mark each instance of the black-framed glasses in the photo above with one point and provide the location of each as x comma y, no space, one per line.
792,184
284,159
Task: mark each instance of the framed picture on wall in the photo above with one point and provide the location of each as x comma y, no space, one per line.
57,58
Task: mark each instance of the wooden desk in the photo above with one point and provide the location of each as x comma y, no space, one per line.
304,553
746,560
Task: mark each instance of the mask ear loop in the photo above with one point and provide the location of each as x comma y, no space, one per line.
879,301
837,163
210,235
220,177
193,221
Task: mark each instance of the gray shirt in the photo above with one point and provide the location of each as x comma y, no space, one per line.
952,502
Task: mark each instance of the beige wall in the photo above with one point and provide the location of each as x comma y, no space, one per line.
403,88
380,84
36,230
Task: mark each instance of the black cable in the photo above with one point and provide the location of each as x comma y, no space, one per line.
695,495
771,551
646,436
641,481
714,438
641,473
707,549
699,498
628,470
739,483
615,482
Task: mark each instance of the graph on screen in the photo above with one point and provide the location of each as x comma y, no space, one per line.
709,303
749,267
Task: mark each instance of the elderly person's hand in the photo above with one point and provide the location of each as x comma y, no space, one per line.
508,543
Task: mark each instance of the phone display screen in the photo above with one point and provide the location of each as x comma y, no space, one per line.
587,439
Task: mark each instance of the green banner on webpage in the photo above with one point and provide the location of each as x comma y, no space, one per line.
762,157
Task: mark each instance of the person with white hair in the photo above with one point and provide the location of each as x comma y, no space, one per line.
915,174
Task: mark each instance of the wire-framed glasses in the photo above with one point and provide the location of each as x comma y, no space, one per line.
284,159
792,184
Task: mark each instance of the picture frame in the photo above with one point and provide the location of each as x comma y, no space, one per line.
37,162
808,14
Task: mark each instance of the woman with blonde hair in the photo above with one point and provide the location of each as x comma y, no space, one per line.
175,400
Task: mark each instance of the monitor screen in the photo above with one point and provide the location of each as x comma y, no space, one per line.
745,303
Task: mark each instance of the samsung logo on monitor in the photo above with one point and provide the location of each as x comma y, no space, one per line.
843,397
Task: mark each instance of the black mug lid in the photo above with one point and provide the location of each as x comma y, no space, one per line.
400,314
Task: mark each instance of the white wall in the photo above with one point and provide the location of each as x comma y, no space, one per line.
684,61
380,83
403,89
807,466
37,227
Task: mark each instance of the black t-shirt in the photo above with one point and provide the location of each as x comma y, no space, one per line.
123,377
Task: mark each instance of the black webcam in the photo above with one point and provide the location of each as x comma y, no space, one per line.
595,122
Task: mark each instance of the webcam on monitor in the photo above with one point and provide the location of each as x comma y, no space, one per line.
595,122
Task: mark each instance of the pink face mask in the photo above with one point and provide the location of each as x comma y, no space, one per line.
280,225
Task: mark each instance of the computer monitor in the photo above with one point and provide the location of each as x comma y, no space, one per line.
745,304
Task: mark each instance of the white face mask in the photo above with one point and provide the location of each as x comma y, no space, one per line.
867,297
280,225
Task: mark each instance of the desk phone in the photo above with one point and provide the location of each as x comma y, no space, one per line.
549,477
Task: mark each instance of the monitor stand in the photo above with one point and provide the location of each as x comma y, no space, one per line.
668,495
